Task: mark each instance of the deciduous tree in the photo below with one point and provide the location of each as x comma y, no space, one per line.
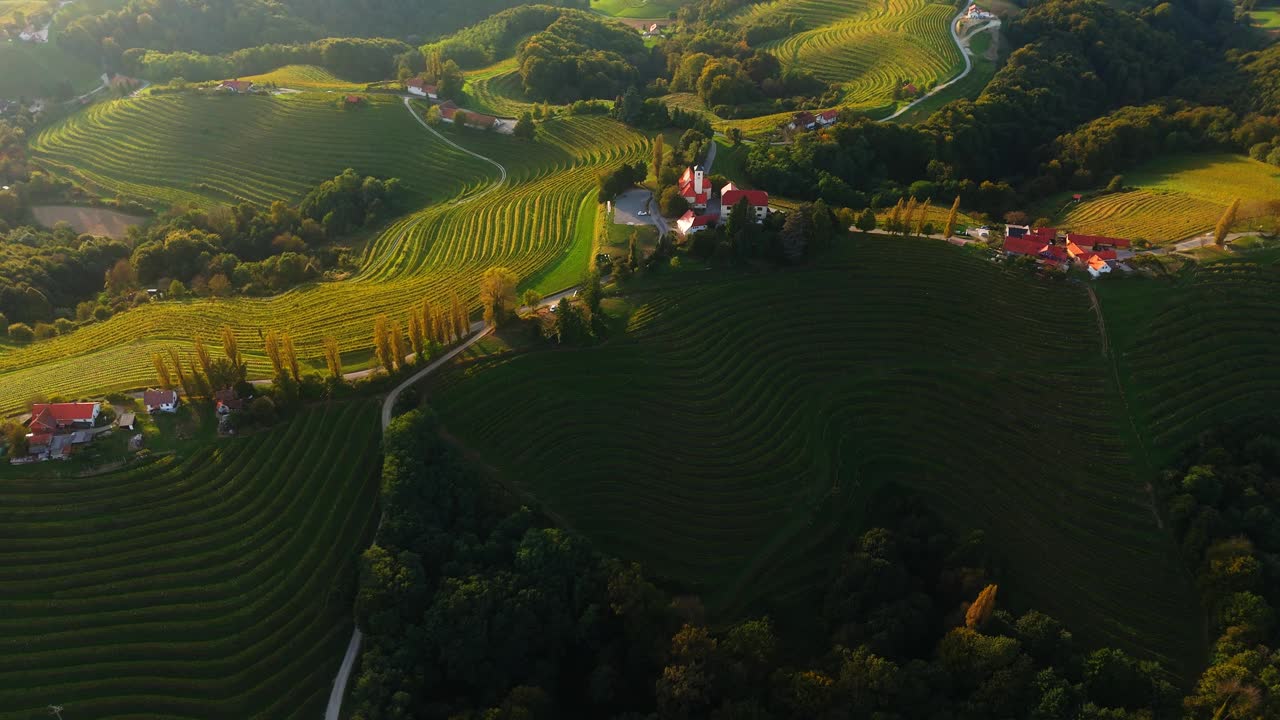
290,357
980,611
382,343
272,342
497,294
333,357
398,351
162,370
230,347
951,218
1225,222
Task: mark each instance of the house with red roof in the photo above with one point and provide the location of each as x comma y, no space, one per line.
420,87
1097,266
160,400
236,86
48,418
1096,242
449,112
803,121
758,200
691,223
694,188
828,118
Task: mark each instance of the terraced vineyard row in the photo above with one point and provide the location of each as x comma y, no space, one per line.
218,150
1202,351
215,585
300,77
497,89
733,438
1180,196
870,47
528,224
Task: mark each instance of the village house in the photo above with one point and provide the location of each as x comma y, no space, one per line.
758,200
828,118
52,417
227,401
236,86
652,31
975,13
419,87
160,401
449,112
691,223
803,121
694,188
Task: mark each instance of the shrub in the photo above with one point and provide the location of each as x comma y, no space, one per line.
102,312
21,332
63,326
44,331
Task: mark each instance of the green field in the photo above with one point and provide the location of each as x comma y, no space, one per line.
636,8
970,87
1178,197
733,451
214,584
26,7
1267,18
210,150
867,47
532,223
304,77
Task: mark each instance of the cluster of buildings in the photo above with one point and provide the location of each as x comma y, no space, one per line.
420,87
976,14
697,191
805,120
237,86
1059,250
449,113
55,429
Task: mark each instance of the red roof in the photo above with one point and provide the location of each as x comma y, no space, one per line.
237,85
755,198
415,82
51,416
41,439
1097,263
1044,234
156,398
1091,240
447,109
354,99
1023,246
696,221
803,118
829,115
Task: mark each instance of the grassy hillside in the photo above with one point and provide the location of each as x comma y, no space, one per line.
304,77
1197,349
217,149
731,439
530,223
1179,196
636,8
867,46
212,585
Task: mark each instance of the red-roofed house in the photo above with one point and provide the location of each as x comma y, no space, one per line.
227,401
51,417
449,112
694,188
828,118
803,121
689,223
353,99
757,199
1096,241
1097,266
419,87
236,86
160,400
1022,246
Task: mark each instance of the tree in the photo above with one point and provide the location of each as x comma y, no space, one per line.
230,347
1225,222
177,290
531,298
121,277
333,357
183,380
459,318
398,351
219,285
272,342
633,251
21,332
980,611
924,216
382,343
671,203
162,370
290,357
795,233
735,136
450,82
415,335
950,227
202,355
433,116
867,220
659,155
525,129
497,294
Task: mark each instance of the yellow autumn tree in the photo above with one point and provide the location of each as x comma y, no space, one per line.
202,355
415,335
398,351
951,218
289,356
230,347
980,611
497,294
382,343
924,217
333,357
162,371
273,352
1225,222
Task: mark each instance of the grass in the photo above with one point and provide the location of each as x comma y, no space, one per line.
304,77
969,87
26,7
533,224
215,583
636,8
208,150
1177,197
1267,18
733,451
867,47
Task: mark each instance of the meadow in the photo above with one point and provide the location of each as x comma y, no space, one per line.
733,451
867,47
1179,196
636,8
216,583
214,149
537,223
304,77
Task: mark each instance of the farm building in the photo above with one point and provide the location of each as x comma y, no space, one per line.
51,417
1097,266
803,121
694,188
127,420
828,118
1059,251
691,223
419,87
449,112
1097,242
236,86
353,100
757,199
227,401
973,12
160,400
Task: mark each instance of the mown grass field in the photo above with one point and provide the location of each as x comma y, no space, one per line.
731,439
214,584
636,8
1178,197
865,46
209,150
1267,17
1197,349
497,90
536,223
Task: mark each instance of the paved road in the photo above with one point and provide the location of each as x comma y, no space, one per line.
963,44
502,170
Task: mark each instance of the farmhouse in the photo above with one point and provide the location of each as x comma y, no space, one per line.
694,188
160,400
803,121
51,417
973,12
690,223
227,401
828,118
236,86
1097,242
449,112
652,31
1097,266
758,200
419,87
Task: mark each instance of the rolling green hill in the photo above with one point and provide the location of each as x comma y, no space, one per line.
214,584
731,438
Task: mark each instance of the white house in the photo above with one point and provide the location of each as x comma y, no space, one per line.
757,199
160,400
1097,267
689,223
419,87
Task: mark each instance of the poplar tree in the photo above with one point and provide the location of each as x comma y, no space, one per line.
333,357
951,218
908,216
290,357
199,380
182,374
230,347
162,371
458,317
273,352
924,216
398,351
382,342
659,150
202,355
1225,222
979,612
415,334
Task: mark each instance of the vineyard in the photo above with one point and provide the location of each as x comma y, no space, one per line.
636,8
867,47
1180,196
218,584
304,77
531,223
1199,352
497,89
210,150
735,451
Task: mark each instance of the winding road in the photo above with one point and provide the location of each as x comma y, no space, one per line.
963,44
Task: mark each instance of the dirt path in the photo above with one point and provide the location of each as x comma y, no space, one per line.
963,44
1102,323
502,170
